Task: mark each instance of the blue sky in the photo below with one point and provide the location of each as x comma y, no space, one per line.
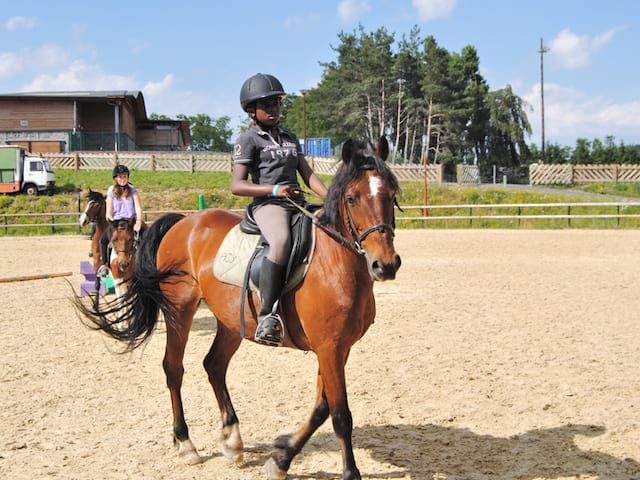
192,56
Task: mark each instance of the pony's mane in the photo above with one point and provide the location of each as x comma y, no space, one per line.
95,196
363,159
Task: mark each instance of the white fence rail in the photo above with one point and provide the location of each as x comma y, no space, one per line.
570,212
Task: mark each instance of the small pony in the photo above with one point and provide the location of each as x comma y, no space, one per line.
327,313
123,243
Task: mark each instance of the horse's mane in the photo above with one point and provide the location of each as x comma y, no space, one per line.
363,159
95,196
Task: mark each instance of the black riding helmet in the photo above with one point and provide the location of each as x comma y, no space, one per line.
260,85
119,169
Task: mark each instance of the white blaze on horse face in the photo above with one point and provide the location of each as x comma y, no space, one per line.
375,185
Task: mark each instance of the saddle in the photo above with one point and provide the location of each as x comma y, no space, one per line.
241,252
244,248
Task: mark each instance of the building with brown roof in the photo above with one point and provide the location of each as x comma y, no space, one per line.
86,120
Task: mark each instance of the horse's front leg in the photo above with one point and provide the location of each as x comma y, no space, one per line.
331,398
290,445
332,368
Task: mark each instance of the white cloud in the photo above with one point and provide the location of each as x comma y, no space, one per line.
570,114
350,10
433,9
15,23
80,76
159,88
572,51
10,64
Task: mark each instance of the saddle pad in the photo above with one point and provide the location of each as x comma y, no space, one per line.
236,250
233,257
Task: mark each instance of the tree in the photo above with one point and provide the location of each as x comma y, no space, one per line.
582,153
507,128
209,133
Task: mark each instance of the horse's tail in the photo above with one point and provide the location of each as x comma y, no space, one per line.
132,318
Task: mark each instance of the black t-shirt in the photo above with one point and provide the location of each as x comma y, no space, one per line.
270,161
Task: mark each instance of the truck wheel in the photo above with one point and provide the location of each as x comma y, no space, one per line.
30,189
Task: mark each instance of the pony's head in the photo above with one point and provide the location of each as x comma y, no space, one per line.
95,208
360,205
123,242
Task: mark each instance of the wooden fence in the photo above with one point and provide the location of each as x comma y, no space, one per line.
207,162
572,174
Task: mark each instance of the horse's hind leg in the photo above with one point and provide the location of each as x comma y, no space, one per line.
177,335
216,363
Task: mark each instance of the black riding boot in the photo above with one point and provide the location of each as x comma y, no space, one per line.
270,327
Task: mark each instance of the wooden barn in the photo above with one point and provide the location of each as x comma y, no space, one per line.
86,120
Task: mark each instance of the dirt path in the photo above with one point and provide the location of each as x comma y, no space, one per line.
496,354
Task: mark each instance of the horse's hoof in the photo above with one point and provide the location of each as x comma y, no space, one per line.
233,455
273,471
231,445
187,453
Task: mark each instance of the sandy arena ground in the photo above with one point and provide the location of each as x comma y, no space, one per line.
496,354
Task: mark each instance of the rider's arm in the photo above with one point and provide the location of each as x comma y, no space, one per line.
137,202
241,186
310,178
109,211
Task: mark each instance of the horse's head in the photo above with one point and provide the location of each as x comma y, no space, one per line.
95,208
123,243
361,205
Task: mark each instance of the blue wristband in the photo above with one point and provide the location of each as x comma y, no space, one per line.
274,191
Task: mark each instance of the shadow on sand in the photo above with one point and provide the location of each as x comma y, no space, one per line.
433,451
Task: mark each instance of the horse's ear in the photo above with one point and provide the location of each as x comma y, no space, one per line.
382,148
347,151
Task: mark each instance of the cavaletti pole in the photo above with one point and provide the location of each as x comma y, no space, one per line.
34,277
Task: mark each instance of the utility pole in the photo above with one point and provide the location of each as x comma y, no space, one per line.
304,120
395,153
542,51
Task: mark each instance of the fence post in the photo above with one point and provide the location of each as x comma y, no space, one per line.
153,162
76,161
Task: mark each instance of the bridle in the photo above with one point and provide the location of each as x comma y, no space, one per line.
136,239
355,243
357,239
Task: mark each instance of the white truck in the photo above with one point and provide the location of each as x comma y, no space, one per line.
21,172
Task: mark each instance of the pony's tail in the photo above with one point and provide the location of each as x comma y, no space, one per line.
132,318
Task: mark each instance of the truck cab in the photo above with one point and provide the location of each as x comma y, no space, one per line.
23,173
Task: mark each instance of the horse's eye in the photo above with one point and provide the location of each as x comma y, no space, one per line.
351,200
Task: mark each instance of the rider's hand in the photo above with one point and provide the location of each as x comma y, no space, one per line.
291,191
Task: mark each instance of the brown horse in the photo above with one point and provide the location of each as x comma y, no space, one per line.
327,313
124,243
95,212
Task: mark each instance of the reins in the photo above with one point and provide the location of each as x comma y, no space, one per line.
355,243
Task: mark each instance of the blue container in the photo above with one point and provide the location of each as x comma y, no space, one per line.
319,147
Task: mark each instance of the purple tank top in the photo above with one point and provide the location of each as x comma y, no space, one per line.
123,208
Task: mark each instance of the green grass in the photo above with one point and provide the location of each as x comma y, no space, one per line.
167,191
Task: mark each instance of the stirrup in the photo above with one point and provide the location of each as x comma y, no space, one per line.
103,271
270,330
